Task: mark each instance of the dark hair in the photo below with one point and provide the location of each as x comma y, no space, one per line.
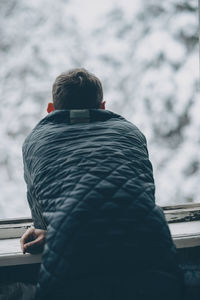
77,89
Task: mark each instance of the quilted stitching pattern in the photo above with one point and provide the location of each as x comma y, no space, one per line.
94,185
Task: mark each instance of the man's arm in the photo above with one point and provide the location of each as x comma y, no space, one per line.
34,205
36,211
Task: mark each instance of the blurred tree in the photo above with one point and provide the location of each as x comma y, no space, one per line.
146,53
39,40
154,63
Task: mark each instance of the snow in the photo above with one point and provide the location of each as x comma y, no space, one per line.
145,53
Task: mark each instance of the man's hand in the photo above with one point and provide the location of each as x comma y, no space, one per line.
33,240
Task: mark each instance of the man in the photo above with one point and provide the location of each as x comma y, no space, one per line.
90,184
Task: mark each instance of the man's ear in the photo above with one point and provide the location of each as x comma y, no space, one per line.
103,105
50,107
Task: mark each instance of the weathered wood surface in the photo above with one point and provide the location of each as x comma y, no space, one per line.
181,206
182,214
185,235
13,228
11,254
15,221
184,224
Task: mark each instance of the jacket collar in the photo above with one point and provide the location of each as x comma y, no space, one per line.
79,116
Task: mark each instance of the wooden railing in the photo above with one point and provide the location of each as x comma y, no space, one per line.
183,220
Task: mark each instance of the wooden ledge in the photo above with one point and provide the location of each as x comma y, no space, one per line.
184,224
185,235
11,254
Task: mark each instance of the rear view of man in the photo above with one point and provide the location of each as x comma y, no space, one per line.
90,184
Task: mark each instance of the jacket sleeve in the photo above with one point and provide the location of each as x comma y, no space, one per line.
36,212
35,208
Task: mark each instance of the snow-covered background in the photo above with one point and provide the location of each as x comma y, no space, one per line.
146,54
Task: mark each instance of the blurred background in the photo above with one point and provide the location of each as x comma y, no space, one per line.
146,54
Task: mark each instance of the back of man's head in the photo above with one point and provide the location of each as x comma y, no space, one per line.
77,89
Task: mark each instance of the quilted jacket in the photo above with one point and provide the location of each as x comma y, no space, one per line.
90,182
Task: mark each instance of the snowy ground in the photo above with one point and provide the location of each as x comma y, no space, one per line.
145,53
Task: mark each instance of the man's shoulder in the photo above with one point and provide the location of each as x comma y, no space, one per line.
59,118
29,137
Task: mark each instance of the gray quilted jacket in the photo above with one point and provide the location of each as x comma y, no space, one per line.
90,181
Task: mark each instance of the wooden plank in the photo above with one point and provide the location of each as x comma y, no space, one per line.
13,230
187,241
181,206
19,259
182,215
11,254
185,234
15,221
184,224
